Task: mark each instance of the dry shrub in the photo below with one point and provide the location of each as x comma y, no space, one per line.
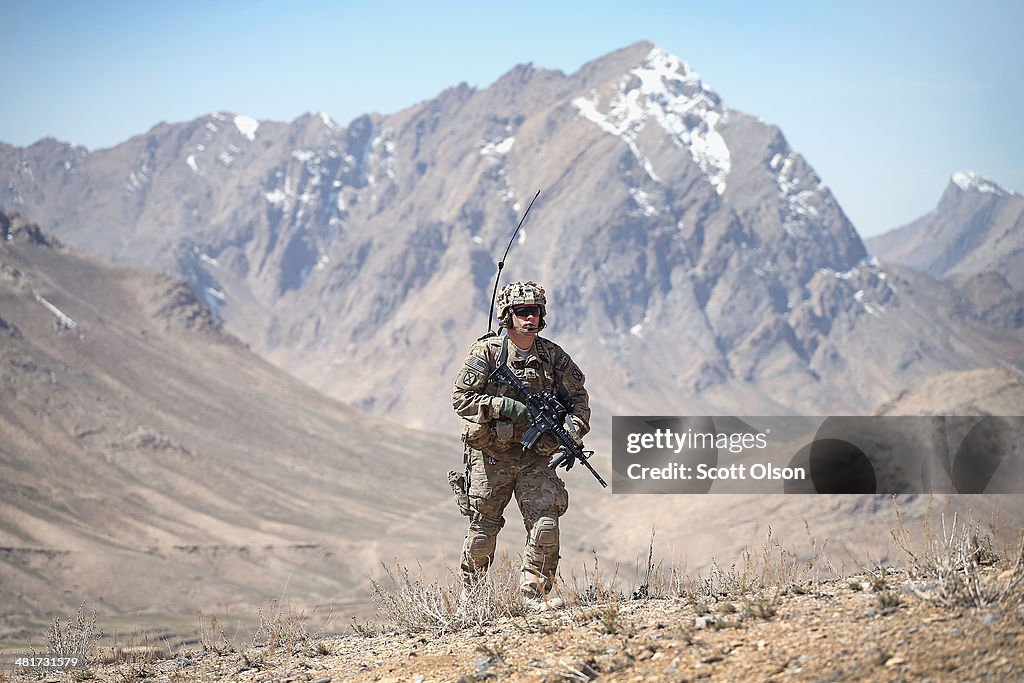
594,587
74,638
212,637
958,566
285,628
411,603
763,575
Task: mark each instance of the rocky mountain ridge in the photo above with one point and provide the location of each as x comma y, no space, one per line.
977,227
695,262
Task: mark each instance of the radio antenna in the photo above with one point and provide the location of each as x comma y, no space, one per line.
501,263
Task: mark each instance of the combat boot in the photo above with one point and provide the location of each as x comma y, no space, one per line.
542,604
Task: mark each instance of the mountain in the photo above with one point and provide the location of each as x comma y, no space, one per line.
988,391
152,464
977,227
695,262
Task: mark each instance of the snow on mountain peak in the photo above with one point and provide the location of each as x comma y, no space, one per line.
969,180
327,121
661,66
247,126
664,89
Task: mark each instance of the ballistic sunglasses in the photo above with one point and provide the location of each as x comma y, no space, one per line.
526,311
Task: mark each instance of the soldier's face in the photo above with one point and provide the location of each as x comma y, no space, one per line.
525,312
526,317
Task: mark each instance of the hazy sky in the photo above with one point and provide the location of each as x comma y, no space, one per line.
885,99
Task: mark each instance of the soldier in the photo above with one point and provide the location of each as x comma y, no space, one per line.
494,419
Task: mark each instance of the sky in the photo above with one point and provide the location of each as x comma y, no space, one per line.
884,99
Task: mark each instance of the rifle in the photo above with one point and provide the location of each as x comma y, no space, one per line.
547,416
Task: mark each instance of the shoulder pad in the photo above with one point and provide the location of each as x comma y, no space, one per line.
486,345
487,336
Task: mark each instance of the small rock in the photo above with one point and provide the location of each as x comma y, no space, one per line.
895,661
420,678
869,612
990,618
704,622
920,587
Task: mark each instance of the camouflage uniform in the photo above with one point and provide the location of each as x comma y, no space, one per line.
498,465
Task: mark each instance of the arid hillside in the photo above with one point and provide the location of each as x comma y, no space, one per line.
948,608
150,463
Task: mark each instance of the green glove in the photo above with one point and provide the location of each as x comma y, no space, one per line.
514,410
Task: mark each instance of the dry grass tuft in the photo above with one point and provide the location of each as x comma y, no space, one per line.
77,637
594,587
759,578
411,603
958,566
283,627
212,638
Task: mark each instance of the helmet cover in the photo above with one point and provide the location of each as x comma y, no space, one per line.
520,294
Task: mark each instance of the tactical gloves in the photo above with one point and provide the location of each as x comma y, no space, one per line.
567,460
574,426
514,410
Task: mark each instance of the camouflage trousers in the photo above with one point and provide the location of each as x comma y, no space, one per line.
542,499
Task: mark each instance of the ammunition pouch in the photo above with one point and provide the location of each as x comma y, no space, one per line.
460,488
477,435
504,431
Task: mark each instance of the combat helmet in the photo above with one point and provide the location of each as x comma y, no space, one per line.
521,294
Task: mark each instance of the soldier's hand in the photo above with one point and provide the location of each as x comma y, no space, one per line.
573,425
567,460
514,410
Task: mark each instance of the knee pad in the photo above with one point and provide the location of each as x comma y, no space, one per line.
482,537
545,532
478,550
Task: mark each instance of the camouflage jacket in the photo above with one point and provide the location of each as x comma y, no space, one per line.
477,400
